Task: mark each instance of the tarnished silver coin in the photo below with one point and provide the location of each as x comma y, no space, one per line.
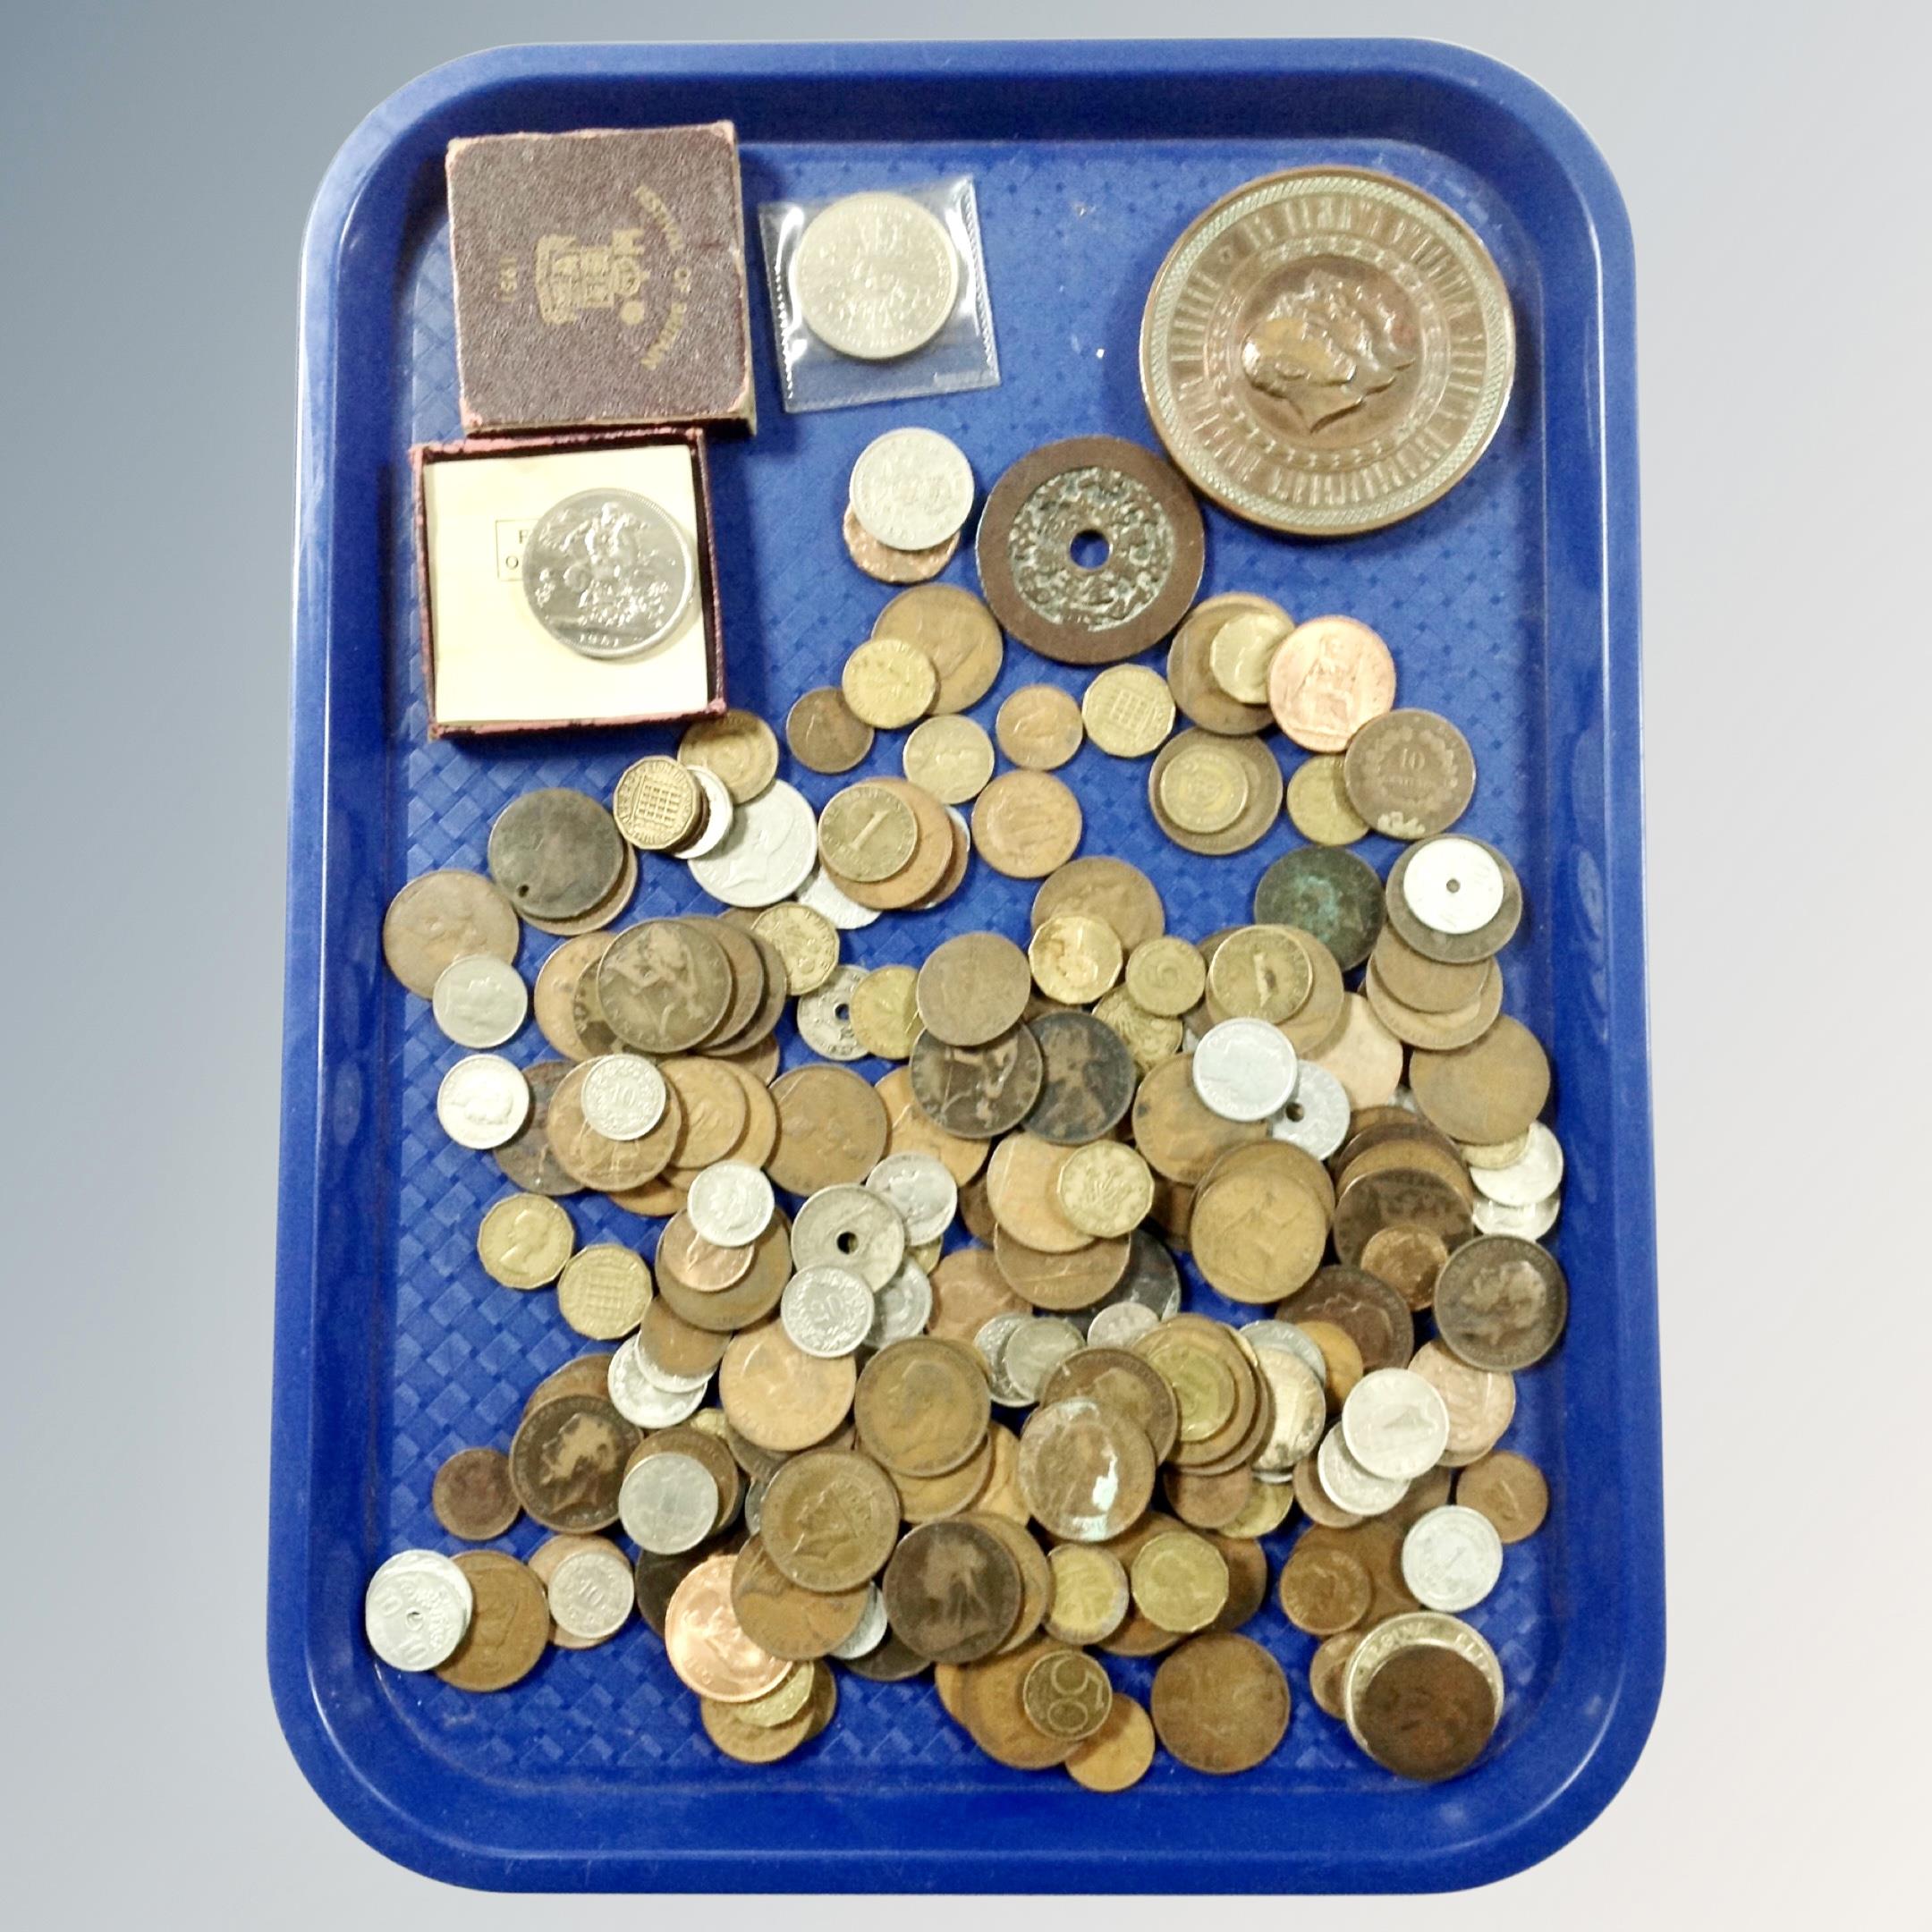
591,1594
1396,1424
827,1311
1349,1486
417,1610
825,1020
623,1095
1287,1336
1532,1178
922,1189
990,1338
870,1631
1451,1557
608,573
847,1227
833,901
903,1307
483,1101
720,810
912,488
668,1504
768,854
479,1000
1301,1410
1245,1070
1453,885
1529,1223
1036,1347
1316,1117
639,1399
731,1203
1120,1324
876,276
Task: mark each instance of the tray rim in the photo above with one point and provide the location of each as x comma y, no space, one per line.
321,1751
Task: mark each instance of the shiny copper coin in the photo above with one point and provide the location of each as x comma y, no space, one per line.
1481,1401
1328,680
953,1591
1220,1703
824,732
747,1301
472,1495
707,1645
888,565
509,1624
1510,1490
698,1263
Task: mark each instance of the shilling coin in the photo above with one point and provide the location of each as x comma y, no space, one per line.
824,733
442,916
1409,774
608,573
483,1101
623,1095
479,1000
912,488
1396,1424
1354,1488
1128,710
1326,351
1245,1070
730,1204
951,756
1316,1114
875,275
1318,804
922,1191
1451,1558
1533,1177
1328,680
1091,550
417,1610
770,853
887,566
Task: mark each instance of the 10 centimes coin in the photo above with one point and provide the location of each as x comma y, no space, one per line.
953,1591
1451,1558
1409,774
479,1000
1220,1703
1326,351
608,573
875,275
1091,550
417,1608
1421,1695
1328,680
824,731
483,1101
707,1645
1501,1303
509,1627
442,916
912,488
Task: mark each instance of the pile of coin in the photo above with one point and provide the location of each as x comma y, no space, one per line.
994,1458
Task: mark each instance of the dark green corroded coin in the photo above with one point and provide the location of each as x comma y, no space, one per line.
1328,892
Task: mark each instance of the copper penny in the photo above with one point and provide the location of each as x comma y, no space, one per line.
831,1128
1176,1130
1220,1703
441,917
714,1108
911,1130
707,1645
1087,1079
953,1591
957,631
1510,1490
1424,1710
528,1157
675,1346
1324,1590
509,1624
1248,1573
1327,1667
991,1706
922,1406
472,1495
1023,1186
829,1520
888,565
976,1092
1438,1032
784,1619
1118,1755
1485,1091
1110,890
748,1300
780,1397
824,733
1062,1283
1367,1311
974,989
1086,1469
553,998
1422,983
1026,824
1038,727
567,1463
585,1374
1501,1303
698,1263
969,1290
664,984
1328,680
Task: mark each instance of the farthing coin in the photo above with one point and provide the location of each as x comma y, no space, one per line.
1326,351
827,1311
730,1203
591,1594
903,1307
876,276
912,488
642,1402
1532,1178
1245,1070
1396,1424
483,1101
607,572
769,852
479,1000
922,1189
623,1095
668,1504
1451,1558
847,1227
1316,1117
417,1610
1453,886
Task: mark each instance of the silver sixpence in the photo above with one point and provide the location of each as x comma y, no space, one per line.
1453,886
875,275
871,1630
990,1338
720,811
668,1504
1037,1346
827,1311
417,1610
730,1203
1121,1324
833,901
825,1020
641,1401
1451,1557
1533,1176
903,1307
1315,1118
1349,1486
479,1000
1395,1425
1526,1223
923,1190
768,854
847,1227
1285,1334
607,572
912,488
483,1101
1245,1070
591,1594
623,1095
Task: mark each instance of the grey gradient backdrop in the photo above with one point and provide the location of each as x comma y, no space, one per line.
156,167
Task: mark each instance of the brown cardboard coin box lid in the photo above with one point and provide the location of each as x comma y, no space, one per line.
599,278
424,455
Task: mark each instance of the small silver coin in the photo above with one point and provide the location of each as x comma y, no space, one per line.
720,810
834,903
920,1187
827,1311
608,573
1120,1324
668,1504
1526,1223
1453,886
623,1095
1396,1424
1451,1557
903,1307
847,1227
912,488
730,1203
870,1632
591,1595
1315,1118
1245,1070
1350,1487
1286,1336
1532,1177
824,1017
479,1000
990,1338
639,1399
483,1101
876,276
417,1610
1034,1350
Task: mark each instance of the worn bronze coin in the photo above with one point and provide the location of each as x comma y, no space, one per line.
911,1130
1022,1188
665,985
1091,549
1424,1711
1416,981
831,1128
990,1706
969,1290
1118,1755
777,1395
554,853
957,631
1026,824
972,989
567,1463
472,1495
1507,1488
1400,1195
442,916
1327,1667
1121,1380
1085,1467
1409,774
1408,1259
1373,1315
829,1520
1038,727
824,731
922,1406
1485,1091
1254,1236
1197,693
509,1623
1437,1032
1501,1303
528,1157
953,1591
784,1619
1087,1081
1176,1130
1110,890
976,1092
1220,1703
595,1159
1061,1283
554,997
1328,892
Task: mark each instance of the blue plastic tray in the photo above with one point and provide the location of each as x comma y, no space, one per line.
1510,605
